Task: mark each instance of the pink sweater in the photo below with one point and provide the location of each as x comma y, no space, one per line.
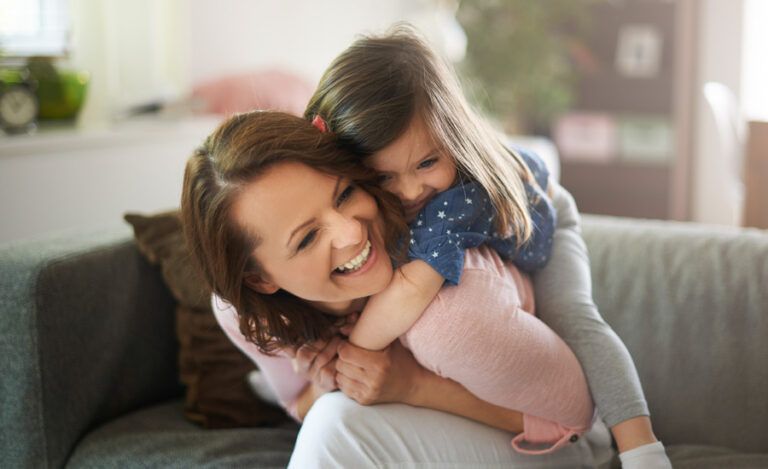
480,333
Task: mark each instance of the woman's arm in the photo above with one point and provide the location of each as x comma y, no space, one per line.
297,378
393,375
390,313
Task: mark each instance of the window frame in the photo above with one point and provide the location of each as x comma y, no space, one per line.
52,38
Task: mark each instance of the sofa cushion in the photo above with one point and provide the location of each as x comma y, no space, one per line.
86,335
713,457
691,304
159,437
212,368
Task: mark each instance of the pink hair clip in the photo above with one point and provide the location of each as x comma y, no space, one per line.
320,123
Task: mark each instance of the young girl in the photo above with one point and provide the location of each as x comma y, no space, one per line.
392,100
457,216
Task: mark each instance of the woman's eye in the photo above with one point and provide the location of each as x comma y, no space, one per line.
307,240
427,163
345,194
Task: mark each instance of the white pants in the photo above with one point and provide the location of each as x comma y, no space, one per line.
339,433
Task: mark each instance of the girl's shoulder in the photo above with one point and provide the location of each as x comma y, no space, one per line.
535,163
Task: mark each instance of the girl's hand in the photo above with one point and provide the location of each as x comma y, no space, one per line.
373,377
317,363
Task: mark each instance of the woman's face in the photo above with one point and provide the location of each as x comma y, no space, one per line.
414,168
320,236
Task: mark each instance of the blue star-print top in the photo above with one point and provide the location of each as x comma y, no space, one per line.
463,217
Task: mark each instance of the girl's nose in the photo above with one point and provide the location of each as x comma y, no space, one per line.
345,231
409,189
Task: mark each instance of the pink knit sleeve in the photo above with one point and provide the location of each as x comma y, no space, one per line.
277,370
481,334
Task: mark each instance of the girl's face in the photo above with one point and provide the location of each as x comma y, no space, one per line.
414,167
320,237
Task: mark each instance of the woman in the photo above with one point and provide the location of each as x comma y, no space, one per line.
273,209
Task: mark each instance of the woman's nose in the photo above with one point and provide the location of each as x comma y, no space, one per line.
346,231
409,189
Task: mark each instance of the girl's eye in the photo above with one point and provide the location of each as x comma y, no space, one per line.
345,194
384,178
427,163
307,240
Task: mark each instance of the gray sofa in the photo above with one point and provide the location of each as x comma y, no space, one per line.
88,375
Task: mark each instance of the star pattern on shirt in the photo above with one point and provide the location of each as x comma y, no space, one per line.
465,219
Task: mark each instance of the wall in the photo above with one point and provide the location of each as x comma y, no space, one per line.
300,35
145,50
719,59
148,50
70,180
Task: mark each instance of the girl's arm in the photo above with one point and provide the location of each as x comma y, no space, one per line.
393,375
390,313
564,302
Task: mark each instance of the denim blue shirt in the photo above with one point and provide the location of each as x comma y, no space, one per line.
463,217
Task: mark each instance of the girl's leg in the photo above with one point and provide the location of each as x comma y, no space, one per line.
564,302
339,433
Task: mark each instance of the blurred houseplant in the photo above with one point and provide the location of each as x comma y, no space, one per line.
61,92
518,58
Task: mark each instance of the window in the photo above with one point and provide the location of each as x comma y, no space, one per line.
754,95
34,27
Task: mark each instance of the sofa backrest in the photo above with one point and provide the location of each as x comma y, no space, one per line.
86,334
691,304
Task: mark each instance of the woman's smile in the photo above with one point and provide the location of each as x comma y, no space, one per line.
357,263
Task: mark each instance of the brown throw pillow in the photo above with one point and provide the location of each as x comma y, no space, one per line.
212,368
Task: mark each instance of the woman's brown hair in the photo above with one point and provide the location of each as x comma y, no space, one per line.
370,94
238,151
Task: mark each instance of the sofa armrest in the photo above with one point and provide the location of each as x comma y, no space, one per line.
86,334
691,303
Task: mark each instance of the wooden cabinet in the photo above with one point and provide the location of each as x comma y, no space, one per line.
660,93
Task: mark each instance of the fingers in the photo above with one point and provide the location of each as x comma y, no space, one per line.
326,377
325,356
360,356
354,389
350,370
305,356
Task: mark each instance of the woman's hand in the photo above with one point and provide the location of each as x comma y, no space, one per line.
373,377
317,363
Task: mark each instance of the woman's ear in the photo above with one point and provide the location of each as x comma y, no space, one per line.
261,285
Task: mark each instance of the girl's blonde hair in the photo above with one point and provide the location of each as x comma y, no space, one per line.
372,91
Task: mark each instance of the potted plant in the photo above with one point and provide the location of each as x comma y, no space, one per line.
517,64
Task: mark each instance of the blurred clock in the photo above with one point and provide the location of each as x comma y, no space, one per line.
18,108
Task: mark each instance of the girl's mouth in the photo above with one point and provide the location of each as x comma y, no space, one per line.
415,207
357,264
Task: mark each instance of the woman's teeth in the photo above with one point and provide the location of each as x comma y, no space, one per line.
358,261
